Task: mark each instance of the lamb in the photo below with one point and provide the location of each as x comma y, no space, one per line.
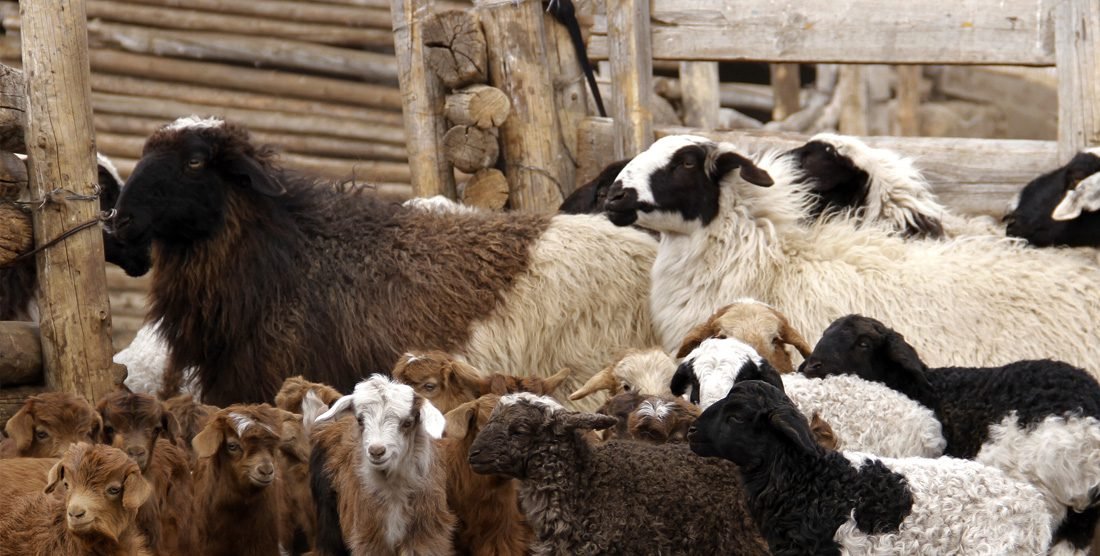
355,281
645,371
591,198
47,424
616,497
236,486
810,500
378,484
757,324
866,416
1059,207
1038,421
723,235
489,522
93,513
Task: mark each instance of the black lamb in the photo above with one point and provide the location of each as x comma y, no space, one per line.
1032,218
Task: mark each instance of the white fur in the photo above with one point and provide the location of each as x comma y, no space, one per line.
194,122
440,204
110,167
654,409
646,372
959,507
145,359
1083,198
976,301
717,363
545,402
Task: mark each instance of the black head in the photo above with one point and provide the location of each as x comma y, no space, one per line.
135,259
1032,218
674,186
869,349
837,183
591,198
752,426
188,170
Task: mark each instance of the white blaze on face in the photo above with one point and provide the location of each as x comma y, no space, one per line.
636,174
194,122
381,406
545,402
654,409
717,362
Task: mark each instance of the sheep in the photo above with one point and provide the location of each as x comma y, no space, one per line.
378,484
757,324
645,371
661,420
355,281
47,424
294,389
617,497
591,197
236,485
809,500
1038,421
724,235
866,416
145,359
93,513
449,382
489,522
1058,208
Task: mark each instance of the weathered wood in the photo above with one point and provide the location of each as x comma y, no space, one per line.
1015,32
479,105
369,171
470,148
596,151
1078,46
16,232
289,10
908,100
20,354
13,109
1028,96
13,176
455,48
534,158
247,79
786,88
571,95
422,99
852,92
11,399
487,189
699,85
72,289
631,75
256,51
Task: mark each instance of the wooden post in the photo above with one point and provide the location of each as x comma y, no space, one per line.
422,100
72,294
786,89
1077,51
853,94
20,353
631,55
531,137
908,100
570,96
699,90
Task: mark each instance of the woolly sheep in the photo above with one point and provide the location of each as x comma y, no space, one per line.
48,423
1059,207
759,325
355,281
809,500
724,235
645,371
865,416
1038,421
617,497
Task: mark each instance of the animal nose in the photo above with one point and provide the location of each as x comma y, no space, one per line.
265,469
692,431
617,193
811,367
77,512
376,451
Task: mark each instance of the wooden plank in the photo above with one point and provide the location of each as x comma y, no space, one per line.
1078,40
422,102
787,88
72,292
1015,32
20,354
289,10
571,96
1028,96
699,88
854,101
631,75
907,116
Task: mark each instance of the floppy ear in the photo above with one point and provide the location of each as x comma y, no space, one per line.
340,406
460,420
207,442
588,421
464,374
20,427
696,335
169,426
762,371
750,172
432,420
788,334
1084,197
787,421
823,432
135,491
552,382
603,380
681,379
55,476
253,172
905,358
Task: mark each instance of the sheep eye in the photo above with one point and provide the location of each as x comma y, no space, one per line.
689,163
233,446
41,435
406,423
721,336
863,344
521,429
114,491
429,387
195,163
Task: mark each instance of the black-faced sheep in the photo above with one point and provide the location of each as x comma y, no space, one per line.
617,497
591,198
94,510
356,282
757,324
1038,421
48,423
724,235
809,500
1060,207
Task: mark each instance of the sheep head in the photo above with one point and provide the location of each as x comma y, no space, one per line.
620,406
591,198
49,423
242,441
711,369
133,422
869,349
465,421
646,371
757,324
103,489
294,389
1054,208
662,420
439,377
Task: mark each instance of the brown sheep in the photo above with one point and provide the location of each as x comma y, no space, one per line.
237,494
661,420
489,520
757,324
48,423
620,406
94,513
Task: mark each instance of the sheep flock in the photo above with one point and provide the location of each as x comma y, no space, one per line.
707,350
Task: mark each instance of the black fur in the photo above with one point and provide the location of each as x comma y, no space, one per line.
329,539
591,198
683,378
1032,218
763,372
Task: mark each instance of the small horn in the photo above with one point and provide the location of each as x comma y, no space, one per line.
603,380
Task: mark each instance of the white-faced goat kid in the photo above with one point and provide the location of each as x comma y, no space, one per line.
810,500
642,371
757,324
236,486
48,424
93,511
1061,207
1038,421
377,481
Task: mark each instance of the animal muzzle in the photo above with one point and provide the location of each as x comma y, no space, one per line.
622,205
262,474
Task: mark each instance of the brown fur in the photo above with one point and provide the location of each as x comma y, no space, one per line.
298,522
20,477
191,417
294,389
48,424
500,384
448,382
672,427
489,520
761,326
823,432
39,523
620,406
234,515
310,278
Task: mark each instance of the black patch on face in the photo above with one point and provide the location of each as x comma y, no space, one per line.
622,205
683,378
1032,218
591,198
837,183
683,186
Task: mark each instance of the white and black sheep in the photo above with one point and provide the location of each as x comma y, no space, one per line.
724,235
809,500
1038,421
865,416
619,497
1061,207
591,198
260,273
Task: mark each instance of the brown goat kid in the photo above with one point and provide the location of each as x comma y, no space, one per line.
294,390
489,520
96,515
757,324
48,424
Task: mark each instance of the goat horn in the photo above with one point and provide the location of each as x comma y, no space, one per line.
603,380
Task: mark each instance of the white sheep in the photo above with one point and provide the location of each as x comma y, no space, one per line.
645,371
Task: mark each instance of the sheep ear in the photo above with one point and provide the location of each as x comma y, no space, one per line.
54,477
1084,197
790,336
260,181
207,442
696,335
20,428
681,379
750,172
905,358
552,382
788,422
432,420
762,371
340,406
603,380
135,491
588,421
460,420
465,374
823,432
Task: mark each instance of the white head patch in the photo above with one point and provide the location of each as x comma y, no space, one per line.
110,167
654,409
241,423
195,122
717,362
544,402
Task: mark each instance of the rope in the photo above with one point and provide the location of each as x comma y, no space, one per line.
55,197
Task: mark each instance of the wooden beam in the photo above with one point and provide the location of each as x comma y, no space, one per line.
479,105
454,47
422,102
786,88
908,100
1078,47
13,109
571,97
72,292
20,354
631,75
701,99
289,10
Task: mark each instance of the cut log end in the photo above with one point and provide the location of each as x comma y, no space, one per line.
470,148
16,233
487,189
456,48
479,105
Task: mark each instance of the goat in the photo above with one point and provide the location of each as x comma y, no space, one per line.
48,423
